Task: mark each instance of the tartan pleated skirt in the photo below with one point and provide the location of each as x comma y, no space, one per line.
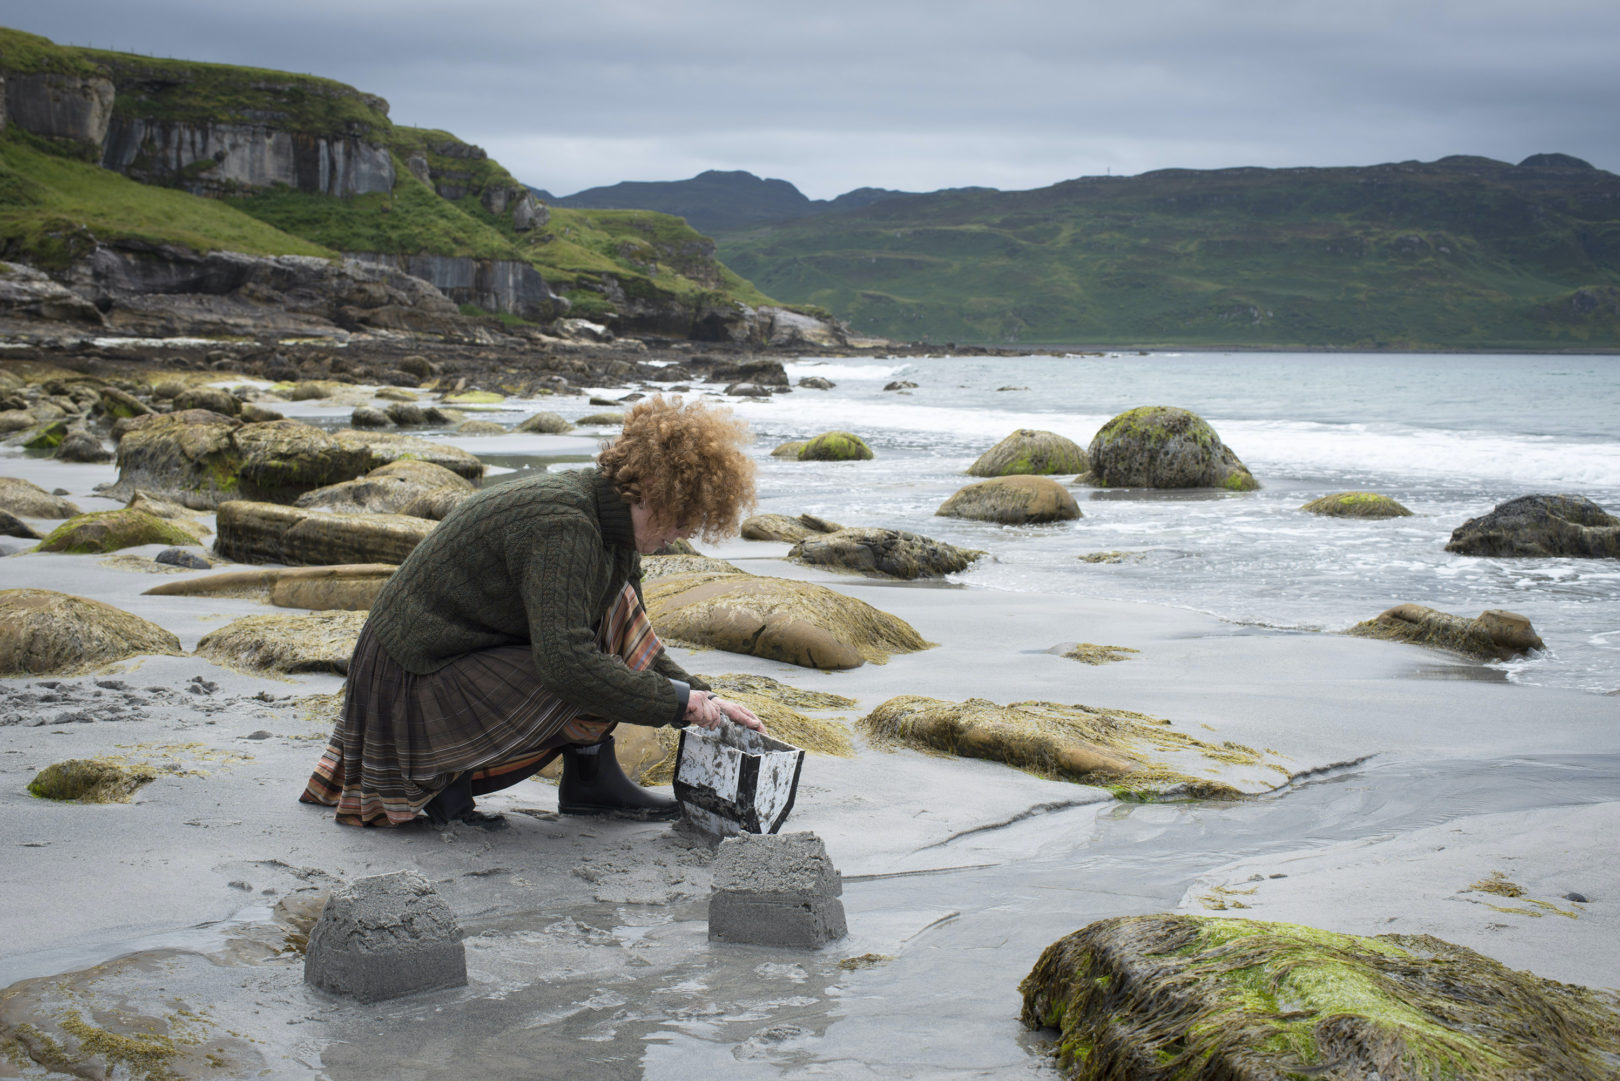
403,737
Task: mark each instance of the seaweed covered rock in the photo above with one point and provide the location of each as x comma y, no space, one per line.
1158,446
88,780
26,499
1119,749
322,642
110,530
78,445
797,622
1494,635
387,489
545,423
381,448
780,527
791,449
1357,505
351,586
214,399
1030,451
883,553
835,446
272,533
1540,525
1166,998
1016,500
43,632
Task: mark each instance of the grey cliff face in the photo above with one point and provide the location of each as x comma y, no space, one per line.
60,106
207,159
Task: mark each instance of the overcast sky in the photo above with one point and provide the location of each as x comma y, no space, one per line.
924,94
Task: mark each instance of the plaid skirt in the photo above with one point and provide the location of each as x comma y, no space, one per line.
403,737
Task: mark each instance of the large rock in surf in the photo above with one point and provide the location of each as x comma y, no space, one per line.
1540,525
1017,500
1030,451
271,533
387,489
381,448
545,423
835,446
1161,998
110,530
1084,744
1158,446
43,632
26,499
348,586
322,642
779,527
797,622
883,553
1494,636
1357,505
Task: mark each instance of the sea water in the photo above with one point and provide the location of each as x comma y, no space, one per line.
1448,436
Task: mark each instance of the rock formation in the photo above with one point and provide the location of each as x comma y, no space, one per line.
883,553
1493,636
1541,525
43,632
1357,505
1030,451
1164,447
1015,500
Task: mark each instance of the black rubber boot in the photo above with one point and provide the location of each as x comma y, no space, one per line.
454,803
593,784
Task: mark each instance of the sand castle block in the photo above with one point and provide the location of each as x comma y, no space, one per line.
385,936
776,890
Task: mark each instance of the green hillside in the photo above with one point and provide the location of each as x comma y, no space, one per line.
1459,253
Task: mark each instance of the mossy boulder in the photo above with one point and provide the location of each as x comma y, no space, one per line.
386,489
1167,998
26,499
381,448
835,446
47,436
1017,500
780,527
1541,525
797,622
346,587
78,445
1130,753
545,424
1030,451
252,532
791,449
1357,505
88,780
1160,446
883,553
43,632
116,404
322,642
365,416
110,530
214,399
1494,635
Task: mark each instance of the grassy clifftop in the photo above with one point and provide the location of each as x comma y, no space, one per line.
1463,252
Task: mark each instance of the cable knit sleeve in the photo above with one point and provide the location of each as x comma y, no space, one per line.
665,664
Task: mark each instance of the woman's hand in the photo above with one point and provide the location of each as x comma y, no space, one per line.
710,711
737,713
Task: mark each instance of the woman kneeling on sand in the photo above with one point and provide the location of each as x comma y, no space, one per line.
515,632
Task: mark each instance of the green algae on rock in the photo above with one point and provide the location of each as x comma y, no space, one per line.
1113,748
319,642
1357,505
1159,446
43,632
90,780
835,446
1015,500
1494,635
109,530
791,449
1030,451
1174,998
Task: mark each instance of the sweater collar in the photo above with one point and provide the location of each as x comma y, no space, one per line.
613,514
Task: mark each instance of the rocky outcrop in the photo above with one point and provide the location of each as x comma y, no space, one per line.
28,500
779,527
387,489
1030,451
1016,500
1541,525
883,553
322,642
796,622
1357,505
1162,997
252,532
27,294
1163,447
381,448
43,632
836,446
1494,636
544,423
111,530
207,158
496,285
60,106
350,587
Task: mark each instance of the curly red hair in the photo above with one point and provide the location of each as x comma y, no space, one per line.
685,461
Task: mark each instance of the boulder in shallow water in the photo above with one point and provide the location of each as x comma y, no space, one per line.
1357,505
1160,446
1165,998
26,499
321,642
835,446
1030,451
43,632
1541,525
1493,636
545,424
12,526
110,530
883,553
1018,500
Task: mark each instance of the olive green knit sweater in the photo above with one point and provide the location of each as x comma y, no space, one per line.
537,562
